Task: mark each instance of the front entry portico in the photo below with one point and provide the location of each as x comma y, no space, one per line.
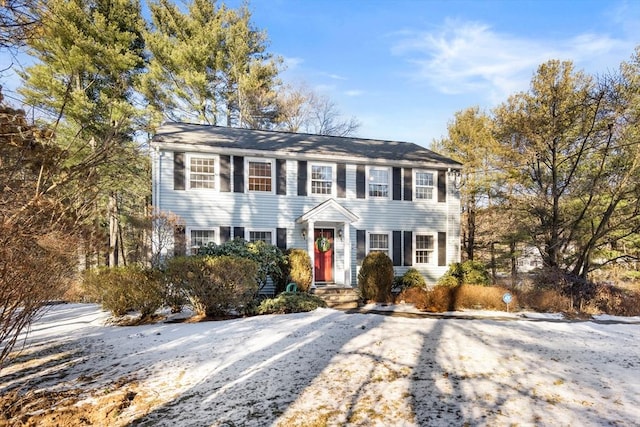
328,227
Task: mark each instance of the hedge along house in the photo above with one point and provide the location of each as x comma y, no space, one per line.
337,197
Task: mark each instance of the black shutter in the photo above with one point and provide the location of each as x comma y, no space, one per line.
361,183
281,238
225,173
179,241
408,248
178,171
397,183
302,178
238,232
397,248
342,180
408,184
281,177
361,242
442,248
225,234
442,186
238,174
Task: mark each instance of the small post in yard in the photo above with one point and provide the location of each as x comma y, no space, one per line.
507,298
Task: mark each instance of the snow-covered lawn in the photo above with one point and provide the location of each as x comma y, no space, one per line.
324,368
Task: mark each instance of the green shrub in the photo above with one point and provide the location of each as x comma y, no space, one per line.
215,286
466,273
269,258
290,302
375,278
412,279
124,289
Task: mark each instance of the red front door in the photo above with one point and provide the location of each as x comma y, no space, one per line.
323,253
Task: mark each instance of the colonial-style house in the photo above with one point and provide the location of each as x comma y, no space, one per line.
339,198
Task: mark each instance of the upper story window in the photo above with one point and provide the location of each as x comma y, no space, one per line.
260,175
321,179
202,172
424,248
261,235
379,242
199,238
424,185
379,182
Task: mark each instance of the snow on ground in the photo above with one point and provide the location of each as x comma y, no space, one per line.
329,367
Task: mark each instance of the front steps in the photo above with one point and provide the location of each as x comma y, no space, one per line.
338,298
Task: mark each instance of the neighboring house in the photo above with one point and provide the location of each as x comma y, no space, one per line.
337,197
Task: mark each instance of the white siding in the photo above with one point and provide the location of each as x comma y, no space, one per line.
212,209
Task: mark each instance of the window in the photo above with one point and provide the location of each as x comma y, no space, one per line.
321,179
424,185
260,235
202,172
201,238
260,175
379,182
424,248
379,243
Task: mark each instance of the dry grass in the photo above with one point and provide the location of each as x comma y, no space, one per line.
444,298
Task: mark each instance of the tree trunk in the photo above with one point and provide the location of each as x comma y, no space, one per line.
112,207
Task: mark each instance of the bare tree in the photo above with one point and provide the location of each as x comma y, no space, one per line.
303,110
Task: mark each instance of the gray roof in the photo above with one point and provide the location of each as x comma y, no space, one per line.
298,143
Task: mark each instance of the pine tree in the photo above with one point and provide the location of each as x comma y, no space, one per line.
89,53
209,66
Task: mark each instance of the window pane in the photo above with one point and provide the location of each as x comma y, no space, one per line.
321,179
424,249
201,238
259,176
201,173
378,182
255,236
424,185
379,243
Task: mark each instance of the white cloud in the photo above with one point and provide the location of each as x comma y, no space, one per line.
470,57
291,63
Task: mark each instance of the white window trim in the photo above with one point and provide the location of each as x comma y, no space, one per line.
389,185
434,193
273,174
334,179
434,252
390,239
216,169
247,233
188,230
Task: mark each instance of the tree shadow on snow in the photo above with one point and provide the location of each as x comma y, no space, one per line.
256,387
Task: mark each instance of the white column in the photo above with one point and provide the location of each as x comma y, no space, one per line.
310,249
346,235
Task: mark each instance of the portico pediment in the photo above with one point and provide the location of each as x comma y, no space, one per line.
328,211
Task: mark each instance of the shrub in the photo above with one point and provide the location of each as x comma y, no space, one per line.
376,277
466,273
290,302
123,289
412,278
484,297
215,286
544,300
300,269
269,258
435,300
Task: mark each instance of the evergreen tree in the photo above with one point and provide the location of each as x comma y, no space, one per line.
209,66
89,53
573,159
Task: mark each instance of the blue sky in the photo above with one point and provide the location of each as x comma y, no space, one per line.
404,67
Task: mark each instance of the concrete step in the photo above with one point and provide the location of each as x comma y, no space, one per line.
338,298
